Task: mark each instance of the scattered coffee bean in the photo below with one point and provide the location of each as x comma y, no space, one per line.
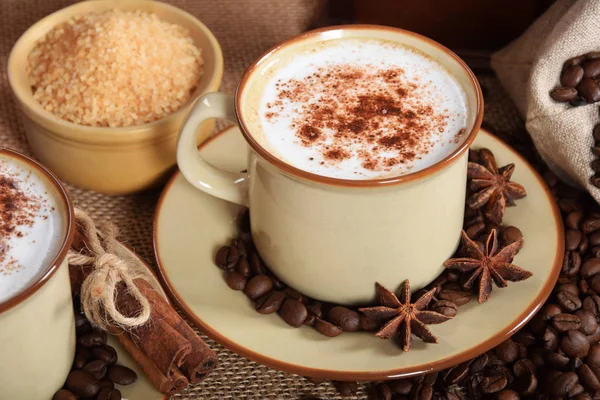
104,394
445,307
64,394
82,383
96,368
296,295
327,328
589,90
575,344
456,374
345,318
549,311
507,351
258,286
563,94
81,324
243,268
82,356
493,384
591,68
568,301
310,320
293,312
92,339
106,384
105,353
475,230
457,297
565,322
256,264
277,284
368,324
510,235
121,375
270,303
235,280
224,260
571,76
315,307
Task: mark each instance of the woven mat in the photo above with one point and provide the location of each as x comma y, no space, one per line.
244,30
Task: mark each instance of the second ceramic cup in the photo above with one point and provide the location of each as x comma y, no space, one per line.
330,238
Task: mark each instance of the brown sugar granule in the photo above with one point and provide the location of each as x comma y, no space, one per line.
114,68
375,114
18,209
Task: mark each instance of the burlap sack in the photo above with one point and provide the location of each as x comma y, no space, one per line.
530,68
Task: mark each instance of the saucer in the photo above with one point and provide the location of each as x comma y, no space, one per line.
190,226
142,389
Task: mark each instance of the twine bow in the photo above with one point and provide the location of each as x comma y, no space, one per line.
98,291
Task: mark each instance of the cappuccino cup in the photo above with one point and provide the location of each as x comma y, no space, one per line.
358,142
37,325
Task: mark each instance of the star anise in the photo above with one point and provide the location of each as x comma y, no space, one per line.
491,186
488,264
403,317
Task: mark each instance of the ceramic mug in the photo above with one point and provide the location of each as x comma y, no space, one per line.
330,238
37,324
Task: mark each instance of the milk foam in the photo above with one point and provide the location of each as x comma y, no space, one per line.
435,87
27,251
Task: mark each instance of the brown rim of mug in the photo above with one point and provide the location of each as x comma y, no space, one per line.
47,273
290,169
518,322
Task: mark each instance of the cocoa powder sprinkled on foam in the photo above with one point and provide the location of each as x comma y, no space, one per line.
19,207
375,114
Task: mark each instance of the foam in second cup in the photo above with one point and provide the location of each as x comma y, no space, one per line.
32,228
362,109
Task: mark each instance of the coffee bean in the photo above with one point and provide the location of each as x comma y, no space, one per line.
588,322
345,318
315,307
571,76
592,304
584,396
563,94
92,339
96,368
591,68
106,384
64,394
538,356
564,383
595,337
590,267
422,392
593,357
270,302
381,391
256,264
569,205
327,328
105,353
479,363
296,295
104,394
572,239
568,301
507,351
595,283
549,311
550,339
345,388
583,245
571,263
258,286
82,325
557,360
310,320
537,325
475,230
82,355
82,383
526,384
368,324
493,384
575,344
566,322
590,224
576,390
510,234
239,247
456,374
235,280
568,286
587,378
596,132
121,375
243,268
574,61
445,307
457,297
277,284
224,260
507,394
589,90
400,387
293,312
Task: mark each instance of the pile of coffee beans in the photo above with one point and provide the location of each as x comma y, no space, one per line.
95,370
580,85
579,80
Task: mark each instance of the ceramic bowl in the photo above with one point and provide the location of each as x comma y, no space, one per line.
109,160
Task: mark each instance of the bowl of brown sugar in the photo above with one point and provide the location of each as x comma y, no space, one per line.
103,86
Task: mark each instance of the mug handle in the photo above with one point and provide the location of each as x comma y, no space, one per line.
225,185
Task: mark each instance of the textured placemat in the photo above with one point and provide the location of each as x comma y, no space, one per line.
244,29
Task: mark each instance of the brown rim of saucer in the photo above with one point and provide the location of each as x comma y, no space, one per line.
47,273
519,321
290,169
